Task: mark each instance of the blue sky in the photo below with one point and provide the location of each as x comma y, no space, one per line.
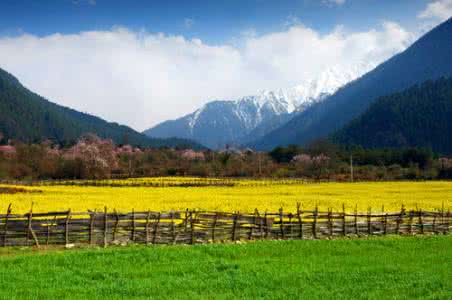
212,21
142,62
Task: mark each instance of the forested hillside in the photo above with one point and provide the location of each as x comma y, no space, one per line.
29,117
417,117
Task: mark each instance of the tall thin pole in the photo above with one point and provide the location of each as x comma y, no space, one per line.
351,168
260,163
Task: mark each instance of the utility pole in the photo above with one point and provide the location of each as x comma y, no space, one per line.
351,168
260,163
130,166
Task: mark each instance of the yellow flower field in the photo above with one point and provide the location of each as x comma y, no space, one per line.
244,196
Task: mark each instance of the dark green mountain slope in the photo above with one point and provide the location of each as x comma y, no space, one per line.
418,117
29,117
429,58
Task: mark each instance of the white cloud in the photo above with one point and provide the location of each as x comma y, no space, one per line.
439,10
285,58
140,79
435,12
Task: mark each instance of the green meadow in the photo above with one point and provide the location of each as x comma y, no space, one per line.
376,268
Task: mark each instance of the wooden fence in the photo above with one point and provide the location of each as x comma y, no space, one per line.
191,227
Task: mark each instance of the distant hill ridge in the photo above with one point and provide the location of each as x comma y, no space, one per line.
29,117
417,117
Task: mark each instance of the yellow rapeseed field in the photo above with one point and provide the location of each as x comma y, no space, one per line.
243,196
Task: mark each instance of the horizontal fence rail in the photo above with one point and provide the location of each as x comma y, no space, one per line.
201,182
192,226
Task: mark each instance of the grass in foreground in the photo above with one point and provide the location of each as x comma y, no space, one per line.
392,267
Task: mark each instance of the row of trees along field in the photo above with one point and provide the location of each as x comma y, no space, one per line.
95,158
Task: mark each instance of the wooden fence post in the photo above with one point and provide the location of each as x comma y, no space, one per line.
421,221
115,228
49,224
92,216
356,220
5,227
447,221
290,226
281,222
66,227
173,228
234,226
250,235
266,225
261,224
434,224
133,226
400,219
192,233
330,222
156,229
238,225
186,220
47,231
148,216
410,222
314,222
300,221
369,222
344,233
105,227
30,228
214,226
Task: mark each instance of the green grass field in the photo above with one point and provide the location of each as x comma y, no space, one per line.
388,268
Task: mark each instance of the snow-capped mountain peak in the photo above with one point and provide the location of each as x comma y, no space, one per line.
309,91
220,122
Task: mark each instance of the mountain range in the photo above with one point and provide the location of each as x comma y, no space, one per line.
244,120
429,58
315,109
28,117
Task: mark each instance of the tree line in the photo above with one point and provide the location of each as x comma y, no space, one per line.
95,158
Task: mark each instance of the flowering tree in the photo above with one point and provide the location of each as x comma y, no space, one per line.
98,157
306,165
192,155
321,164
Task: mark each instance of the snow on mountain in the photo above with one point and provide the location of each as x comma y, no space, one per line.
237,121
329,81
